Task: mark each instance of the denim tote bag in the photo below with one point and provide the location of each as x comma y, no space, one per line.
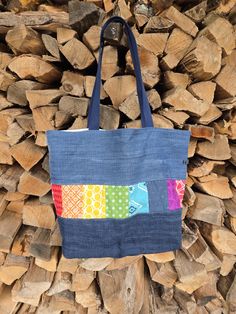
118,192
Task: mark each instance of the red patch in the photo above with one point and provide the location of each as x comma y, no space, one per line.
57,198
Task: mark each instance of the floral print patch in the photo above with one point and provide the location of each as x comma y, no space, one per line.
175,191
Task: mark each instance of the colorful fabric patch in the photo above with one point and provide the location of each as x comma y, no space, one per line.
57,198
175,191
94,201
72,201
117,201
138,199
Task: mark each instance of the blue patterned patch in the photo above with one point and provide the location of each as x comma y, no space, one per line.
138,199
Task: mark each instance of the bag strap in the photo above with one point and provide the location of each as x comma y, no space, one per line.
94,107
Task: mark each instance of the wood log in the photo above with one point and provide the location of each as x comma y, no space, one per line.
154,42
119,263
221,32
10,178
28,66
89,84
51,45
215,185
177,117
225,82
201,252
64,301
207,208
96,264
212,114
91,37
192,276
6,79
22,241
72,83
109,118
164,274
29,288
198,12
174,79
109,63
35,19
158,120
61,282
38,98
200,166
79,61
149,66
16,93
158,24
218,150
68,265
181,99
177,45
10,223
180,20
27,153
203,90
119,88
154,99
82,15
74,106
38,215
7,305
201,131
65,34
5,154
124,10
23,39
88,298
220,237
50,265
113,286
82,279
26,122
40,244
198,60
34,182
13,268
5,58
44,117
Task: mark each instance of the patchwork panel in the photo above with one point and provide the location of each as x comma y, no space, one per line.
175,190
118,201
138,199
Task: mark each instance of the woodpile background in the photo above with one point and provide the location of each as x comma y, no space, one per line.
48,55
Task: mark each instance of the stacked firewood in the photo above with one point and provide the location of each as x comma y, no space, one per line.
48,57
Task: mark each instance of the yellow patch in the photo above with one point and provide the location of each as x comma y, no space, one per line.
94,201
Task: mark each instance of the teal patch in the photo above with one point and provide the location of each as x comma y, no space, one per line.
138,199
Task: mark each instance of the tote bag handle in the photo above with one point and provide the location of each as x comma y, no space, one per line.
94,107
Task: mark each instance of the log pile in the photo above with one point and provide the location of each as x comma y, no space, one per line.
48,59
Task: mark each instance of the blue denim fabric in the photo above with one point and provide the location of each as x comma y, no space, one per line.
138,234
157,191
122,156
